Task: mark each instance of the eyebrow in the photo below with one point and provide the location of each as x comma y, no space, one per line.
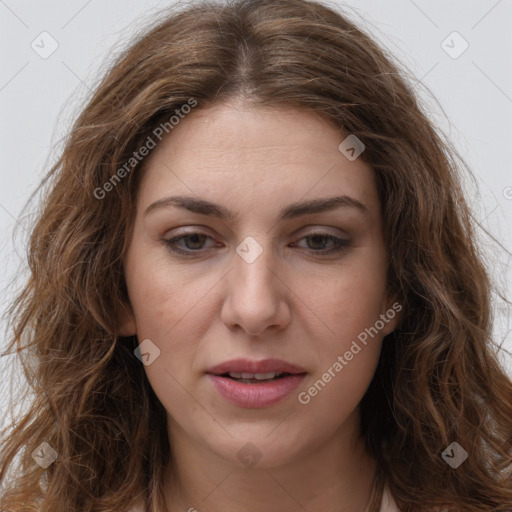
203,207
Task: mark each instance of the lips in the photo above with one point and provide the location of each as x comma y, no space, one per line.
252,384
255,367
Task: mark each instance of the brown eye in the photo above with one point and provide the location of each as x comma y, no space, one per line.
193,242
318,243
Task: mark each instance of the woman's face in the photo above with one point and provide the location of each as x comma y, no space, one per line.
257,271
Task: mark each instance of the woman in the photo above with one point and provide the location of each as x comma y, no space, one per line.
257,370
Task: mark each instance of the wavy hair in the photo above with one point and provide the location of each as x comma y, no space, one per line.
439,379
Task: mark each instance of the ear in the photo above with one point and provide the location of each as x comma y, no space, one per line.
391,314
127,325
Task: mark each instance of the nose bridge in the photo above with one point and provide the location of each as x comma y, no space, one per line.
255,294
254,267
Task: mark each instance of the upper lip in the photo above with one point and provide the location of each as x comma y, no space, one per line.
250,366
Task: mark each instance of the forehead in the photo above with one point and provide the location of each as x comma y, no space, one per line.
268,155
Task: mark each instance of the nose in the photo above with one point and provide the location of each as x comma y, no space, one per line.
257,298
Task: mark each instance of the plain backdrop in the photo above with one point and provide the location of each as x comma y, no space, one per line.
459,51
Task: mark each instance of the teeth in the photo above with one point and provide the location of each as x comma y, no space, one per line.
257,376
263,376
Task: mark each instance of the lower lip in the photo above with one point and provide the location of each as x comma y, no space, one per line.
257,395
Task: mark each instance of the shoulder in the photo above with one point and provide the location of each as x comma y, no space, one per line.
388,503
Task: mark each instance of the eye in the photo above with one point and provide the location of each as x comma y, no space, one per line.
192,244
319,241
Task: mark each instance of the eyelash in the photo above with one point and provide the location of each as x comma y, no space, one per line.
341,244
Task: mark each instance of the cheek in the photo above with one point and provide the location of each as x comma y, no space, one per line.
348,339
347,347
347,353
162,294
348,298
330,398
172,308
168,309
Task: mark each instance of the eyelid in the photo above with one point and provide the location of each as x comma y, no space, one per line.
342,244
206,230
199,229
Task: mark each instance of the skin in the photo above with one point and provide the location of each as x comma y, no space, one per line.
290,303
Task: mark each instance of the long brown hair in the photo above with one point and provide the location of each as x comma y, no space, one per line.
438,381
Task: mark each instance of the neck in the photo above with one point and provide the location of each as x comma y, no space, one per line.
337,475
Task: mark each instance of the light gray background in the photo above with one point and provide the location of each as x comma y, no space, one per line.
40,97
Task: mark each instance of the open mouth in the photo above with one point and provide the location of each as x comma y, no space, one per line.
255,378
253,384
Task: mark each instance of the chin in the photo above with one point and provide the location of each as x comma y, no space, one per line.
257,448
